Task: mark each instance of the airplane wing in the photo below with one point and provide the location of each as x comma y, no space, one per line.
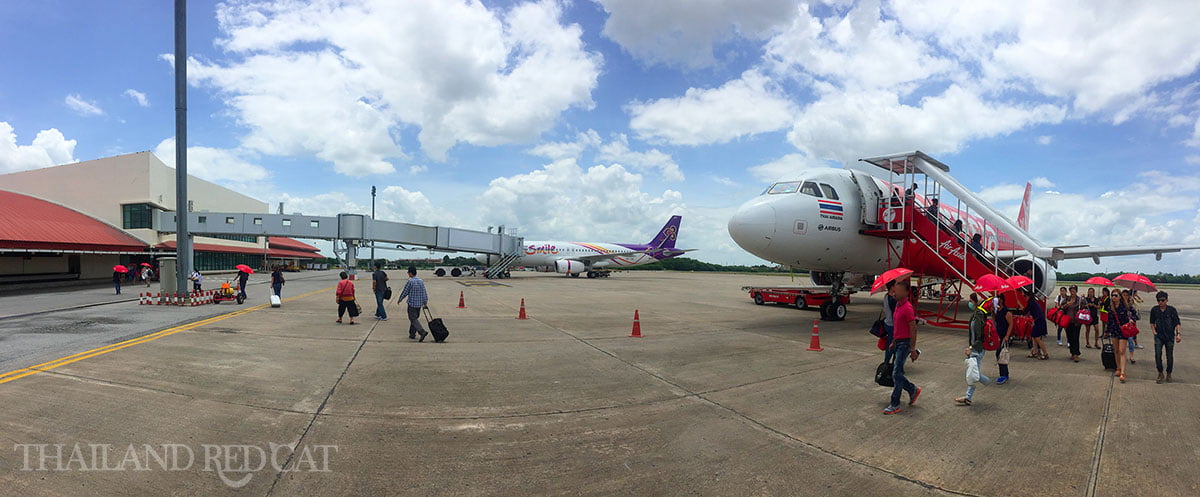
1095,253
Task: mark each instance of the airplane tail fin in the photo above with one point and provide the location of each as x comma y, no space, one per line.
1023,216
668,234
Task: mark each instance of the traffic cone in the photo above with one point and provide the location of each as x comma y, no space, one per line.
158,299
815,343
462,303
522,315
637,325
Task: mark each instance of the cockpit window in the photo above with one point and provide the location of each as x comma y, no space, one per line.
782,188
810,188
830,193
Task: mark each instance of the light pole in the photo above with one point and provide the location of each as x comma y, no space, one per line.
183,238
372,225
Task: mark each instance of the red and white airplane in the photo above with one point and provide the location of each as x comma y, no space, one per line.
845,226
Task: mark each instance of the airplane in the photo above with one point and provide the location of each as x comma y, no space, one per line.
846,225
592,259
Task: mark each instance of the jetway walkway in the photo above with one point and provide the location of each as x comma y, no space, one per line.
352,229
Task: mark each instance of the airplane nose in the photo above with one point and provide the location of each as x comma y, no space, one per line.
753,227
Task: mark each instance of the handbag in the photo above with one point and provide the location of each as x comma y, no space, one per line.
1005,356
883,374
972,371
1084,316
882,344
1129,329
387,293
357,309
878,328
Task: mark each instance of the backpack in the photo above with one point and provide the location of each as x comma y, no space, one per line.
991,340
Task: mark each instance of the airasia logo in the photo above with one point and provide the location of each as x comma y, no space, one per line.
544,249
948,249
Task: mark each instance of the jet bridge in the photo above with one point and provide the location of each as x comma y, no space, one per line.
352,229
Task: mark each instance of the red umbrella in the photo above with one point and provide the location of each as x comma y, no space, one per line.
1019,281
1135,282
146,264
1099,280
120,269
991,283
889,275
244,268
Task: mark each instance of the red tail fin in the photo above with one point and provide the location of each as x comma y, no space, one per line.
1023,216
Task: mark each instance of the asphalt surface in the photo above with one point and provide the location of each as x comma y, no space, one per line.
719,397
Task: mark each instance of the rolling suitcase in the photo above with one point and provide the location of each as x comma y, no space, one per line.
275,302
437,328
1108,357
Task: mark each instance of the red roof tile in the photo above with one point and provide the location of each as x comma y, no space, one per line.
31,223
292,244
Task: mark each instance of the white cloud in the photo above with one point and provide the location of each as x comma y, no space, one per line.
683,32
857,51
725,181
458,71
418,169
1193,159
1097,53
1045,140
741,107
48,148
568,150
213,164
81,106
138,97
1194,141
618,151
1042,182
783,168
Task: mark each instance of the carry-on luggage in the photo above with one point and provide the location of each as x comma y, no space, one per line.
275,301
437,328
1108,356
883,374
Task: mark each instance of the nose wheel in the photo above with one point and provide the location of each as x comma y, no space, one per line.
833,311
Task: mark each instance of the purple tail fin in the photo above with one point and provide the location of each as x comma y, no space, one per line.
667,235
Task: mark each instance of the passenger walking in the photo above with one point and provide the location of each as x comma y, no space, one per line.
117,280
1002,316
379,285
1118,315
414,290
1092,328
197,280
889,307
1133,317
974,351
147,274
1058,304
1034,310
1165,320
905,344
345,298
277,281
243,277
977,244
1073,306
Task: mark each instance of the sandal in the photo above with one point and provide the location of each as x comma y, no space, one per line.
338,321
1044,357
1032,355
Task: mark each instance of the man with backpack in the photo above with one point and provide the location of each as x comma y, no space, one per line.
975,339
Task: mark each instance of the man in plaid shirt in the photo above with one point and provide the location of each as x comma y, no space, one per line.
417,298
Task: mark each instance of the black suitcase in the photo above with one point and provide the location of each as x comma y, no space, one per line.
1108,357
883,375
437,328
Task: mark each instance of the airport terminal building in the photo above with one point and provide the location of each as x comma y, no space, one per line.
76,221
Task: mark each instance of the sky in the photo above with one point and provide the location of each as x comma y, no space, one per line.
598,119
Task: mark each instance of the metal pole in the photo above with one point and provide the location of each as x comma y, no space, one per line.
372,224
183,238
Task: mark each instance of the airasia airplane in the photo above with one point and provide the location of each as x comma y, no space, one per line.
593,258
845,226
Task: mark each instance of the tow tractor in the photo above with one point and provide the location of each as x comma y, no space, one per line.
822,298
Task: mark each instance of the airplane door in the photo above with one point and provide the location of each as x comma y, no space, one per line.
871,196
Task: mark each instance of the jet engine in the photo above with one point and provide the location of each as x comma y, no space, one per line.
569,266
1044,275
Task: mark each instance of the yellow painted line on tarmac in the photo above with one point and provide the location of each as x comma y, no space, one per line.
63,361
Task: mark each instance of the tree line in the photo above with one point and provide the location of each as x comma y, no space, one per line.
1157,277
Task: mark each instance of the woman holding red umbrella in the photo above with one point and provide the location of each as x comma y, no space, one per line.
1118,314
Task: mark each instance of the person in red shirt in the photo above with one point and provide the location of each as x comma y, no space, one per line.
904,343
345,298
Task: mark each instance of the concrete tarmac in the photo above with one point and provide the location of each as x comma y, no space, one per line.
719,397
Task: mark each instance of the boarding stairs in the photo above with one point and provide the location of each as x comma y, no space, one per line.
924,234
499,268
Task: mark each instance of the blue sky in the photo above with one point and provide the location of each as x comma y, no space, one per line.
599,119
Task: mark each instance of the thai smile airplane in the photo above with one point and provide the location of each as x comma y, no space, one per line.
592,258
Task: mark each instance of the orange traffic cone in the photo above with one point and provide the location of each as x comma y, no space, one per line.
637,325
815,343
522,315
462,304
